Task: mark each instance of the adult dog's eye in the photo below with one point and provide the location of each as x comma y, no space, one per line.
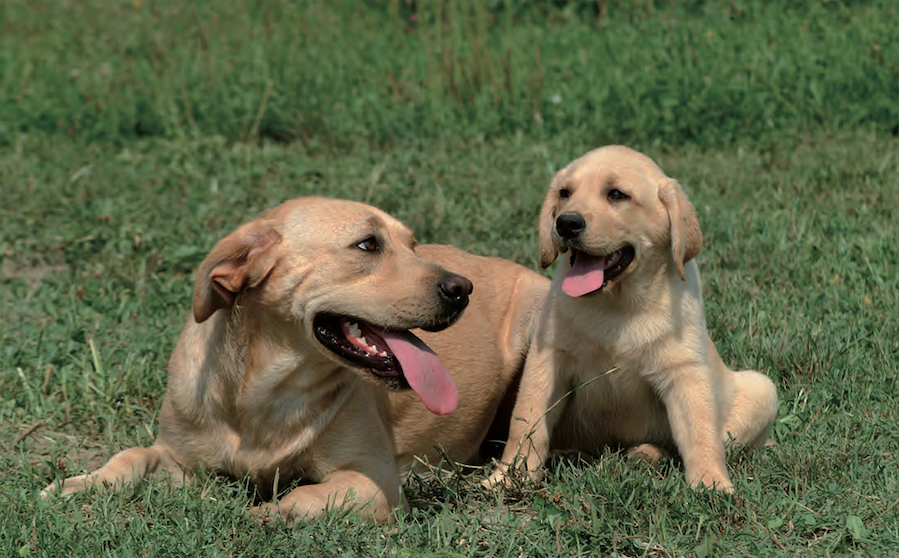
370,244
617,195
564,193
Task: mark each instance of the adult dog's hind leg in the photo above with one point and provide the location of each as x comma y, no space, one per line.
131,465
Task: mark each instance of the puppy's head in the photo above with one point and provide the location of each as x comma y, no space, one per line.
341,278
618,215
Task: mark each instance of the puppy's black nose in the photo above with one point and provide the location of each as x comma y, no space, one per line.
569,225
455,289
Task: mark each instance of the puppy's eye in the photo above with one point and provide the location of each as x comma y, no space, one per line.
564,193
370,244
617,195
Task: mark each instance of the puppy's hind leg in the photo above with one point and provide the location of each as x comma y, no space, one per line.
690,403
131,465
648,453
752,411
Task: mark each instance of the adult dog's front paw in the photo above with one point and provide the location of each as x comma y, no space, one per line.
268,513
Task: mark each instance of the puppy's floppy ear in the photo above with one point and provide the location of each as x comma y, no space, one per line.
686,238
242,260
548,250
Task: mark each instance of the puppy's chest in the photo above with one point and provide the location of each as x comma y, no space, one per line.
608,335
600,382
620,407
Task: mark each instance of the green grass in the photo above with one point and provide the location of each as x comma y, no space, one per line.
112,191
383,71
800,279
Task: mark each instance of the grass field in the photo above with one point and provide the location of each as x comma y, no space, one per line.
115,183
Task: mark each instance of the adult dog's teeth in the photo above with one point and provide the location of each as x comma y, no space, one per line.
354,328
382,353
364,342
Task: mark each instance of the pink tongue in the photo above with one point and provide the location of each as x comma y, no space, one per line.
424,371
585,276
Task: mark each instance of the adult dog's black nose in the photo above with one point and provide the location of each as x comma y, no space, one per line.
455,290
569,225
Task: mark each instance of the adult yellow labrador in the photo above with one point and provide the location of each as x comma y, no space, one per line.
300,319
624,327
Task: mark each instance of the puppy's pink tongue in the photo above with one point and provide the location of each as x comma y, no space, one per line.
424,371
585,276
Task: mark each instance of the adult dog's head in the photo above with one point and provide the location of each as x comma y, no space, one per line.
341,278
619,216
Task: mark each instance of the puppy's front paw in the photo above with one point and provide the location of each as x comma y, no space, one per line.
713,479
497,479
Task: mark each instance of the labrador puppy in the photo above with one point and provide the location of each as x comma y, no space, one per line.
300,319
621,356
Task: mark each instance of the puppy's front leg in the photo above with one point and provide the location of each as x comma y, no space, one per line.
352,489
689,397
537,410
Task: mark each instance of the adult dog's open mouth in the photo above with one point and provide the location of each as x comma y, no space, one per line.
591,273
397,357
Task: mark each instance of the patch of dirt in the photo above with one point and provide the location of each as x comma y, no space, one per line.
50,453
32,273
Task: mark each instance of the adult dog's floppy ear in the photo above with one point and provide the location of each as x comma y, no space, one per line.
686,238
242,260
548,250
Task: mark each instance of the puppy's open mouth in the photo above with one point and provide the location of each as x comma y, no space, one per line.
398,359
591,273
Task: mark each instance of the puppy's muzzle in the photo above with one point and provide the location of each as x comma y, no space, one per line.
570,225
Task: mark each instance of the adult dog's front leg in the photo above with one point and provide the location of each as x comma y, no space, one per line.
340,489
689,398
537,410
131,465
